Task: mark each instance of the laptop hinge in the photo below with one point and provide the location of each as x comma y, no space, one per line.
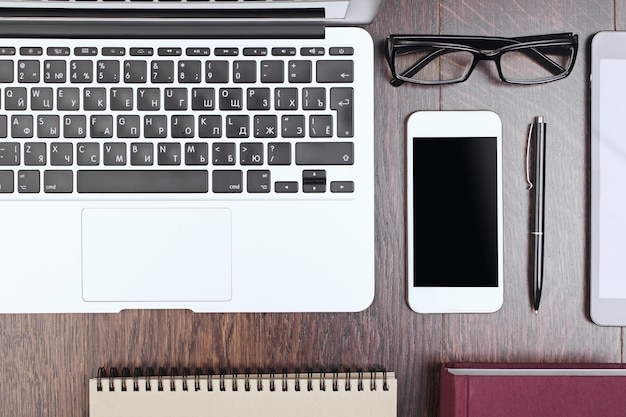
203,24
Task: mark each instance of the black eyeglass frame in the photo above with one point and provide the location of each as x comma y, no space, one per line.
482,48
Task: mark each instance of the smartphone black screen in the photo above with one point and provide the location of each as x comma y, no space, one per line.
455,212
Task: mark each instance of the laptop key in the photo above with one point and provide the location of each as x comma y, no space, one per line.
94,99
324,153
74,126
203,99
258,181
35,153
113,51
284,51
341,100
88,153
28,181
231,99
6,181
279,153
41,98
223,153
121,98
244,71
101,127
196,153
141,153
141,51
85,51
68,98
30,50
226,51
58,51
148,99
114,153
169,153
108,71
189,71
54,71
22,126
162,71
342,187
58,182
48,126
314,181
286,186
15,98
6,71
272,71
28,71
135,71
170,51
128,126
9,153
61,153
227,181
175,99
145,181
292,126
251,153
216,71
81,71
299,71
340,71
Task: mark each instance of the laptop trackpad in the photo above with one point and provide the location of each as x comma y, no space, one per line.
142,255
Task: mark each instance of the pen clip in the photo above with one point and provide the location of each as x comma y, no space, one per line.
530,132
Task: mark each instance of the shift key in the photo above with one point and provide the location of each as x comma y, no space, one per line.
324,153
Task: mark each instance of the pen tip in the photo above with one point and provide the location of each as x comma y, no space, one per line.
536,312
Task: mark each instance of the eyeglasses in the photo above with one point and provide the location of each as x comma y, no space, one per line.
436,60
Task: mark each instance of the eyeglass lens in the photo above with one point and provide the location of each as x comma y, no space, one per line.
433,64
536,64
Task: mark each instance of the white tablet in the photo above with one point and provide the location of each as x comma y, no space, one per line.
454,212
608,179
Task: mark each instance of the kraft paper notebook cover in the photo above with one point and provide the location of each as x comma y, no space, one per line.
537,390
365,394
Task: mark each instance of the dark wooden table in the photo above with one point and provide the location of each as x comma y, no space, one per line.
46,360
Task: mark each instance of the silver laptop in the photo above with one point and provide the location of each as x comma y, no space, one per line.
207,155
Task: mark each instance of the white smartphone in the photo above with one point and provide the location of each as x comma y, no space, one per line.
454,212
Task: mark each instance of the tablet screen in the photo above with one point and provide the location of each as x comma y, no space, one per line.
612,171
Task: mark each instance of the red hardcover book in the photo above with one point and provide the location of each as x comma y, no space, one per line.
532,390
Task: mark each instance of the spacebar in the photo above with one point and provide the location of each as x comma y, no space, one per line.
145,181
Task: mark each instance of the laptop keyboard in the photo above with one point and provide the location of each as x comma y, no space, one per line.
93,117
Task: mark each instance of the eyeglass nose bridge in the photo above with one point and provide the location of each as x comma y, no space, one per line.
489,54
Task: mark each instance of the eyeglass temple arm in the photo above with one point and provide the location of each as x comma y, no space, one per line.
545,61
418,66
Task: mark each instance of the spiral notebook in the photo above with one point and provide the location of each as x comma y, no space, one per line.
359,394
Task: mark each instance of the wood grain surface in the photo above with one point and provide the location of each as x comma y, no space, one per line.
46,360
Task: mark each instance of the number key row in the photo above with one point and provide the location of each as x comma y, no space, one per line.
165,71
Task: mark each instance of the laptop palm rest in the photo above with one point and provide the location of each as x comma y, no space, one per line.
156,255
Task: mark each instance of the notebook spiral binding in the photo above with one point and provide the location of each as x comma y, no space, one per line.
201,381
